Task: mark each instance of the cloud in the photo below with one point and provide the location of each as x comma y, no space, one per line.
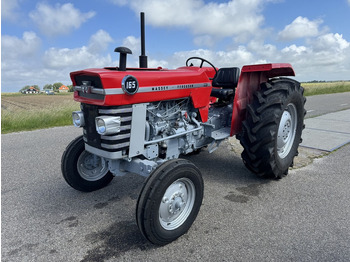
236,18
8,10
24,63
301,27
19,60
331,42
59,19
133,43
14,47
99,41
204,40
326,57
82,57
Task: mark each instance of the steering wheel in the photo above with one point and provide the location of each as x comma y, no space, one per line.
202,61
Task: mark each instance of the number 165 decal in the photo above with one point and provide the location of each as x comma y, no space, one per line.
130,85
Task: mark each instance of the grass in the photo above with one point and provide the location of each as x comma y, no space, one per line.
326,88
29,112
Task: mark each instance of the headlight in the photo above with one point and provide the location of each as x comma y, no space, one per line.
107,125
78,118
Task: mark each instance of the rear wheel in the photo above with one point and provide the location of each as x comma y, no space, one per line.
272,130
82,170
169,201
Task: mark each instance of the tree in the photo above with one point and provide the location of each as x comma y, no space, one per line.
36,87
56,86
24,88
47,87
71,88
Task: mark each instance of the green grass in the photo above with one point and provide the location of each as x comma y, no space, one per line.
31,120
326,88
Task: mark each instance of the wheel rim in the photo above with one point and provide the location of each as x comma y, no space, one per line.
91,167
177,203
286,131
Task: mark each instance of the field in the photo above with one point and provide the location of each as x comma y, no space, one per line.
29,112
326,88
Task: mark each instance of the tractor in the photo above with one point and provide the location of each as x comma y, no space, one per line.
142,120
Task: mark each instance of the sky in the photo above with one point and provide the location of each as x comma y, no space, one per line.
43,41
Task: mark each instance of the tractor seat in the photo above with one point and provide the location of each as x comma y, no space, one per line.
227,79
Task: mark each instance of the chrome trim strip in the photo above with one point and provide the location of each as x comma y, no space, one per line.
123,128
117,146
97,91
119,91
114,91
102,153
117,137
89,89
115,111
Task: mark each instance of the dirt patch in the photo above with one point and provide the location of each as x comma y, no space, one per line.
305,157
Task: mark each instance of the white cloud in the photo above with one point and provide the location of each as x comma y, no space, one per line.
235,18
19,60
59,19
331,42
23,63
301,27
14,47
82,57
99,41
133,43
8,9
235,57
295,50
204,40
326,57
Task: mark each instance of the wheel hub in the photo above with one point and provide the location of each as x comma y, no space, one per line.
91,167
286,131
176,204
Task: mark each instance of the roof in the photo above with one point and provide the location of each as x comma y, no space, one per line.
63,87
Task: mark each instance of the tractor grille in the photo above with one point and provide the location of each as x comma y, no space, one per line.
111,143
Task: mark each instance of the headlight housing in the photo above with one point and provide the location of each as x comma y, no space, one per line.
107,125
78,118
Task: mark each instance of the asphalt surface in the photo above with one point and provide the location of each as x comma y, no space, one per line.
327,122
302,217
324,104
327,132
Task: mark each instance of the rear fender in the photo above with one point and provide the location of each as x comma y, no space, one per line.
249,82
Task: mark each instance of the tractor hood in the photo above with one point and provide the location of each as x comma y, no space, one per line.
110,87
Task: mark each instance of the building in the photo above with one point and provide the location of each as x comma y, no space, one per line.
63,89
30,90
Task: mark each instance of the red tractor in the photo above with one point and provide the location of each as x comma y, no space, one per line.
140,120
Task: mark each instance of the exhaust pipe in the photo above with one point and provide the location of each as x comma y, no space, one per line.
143,57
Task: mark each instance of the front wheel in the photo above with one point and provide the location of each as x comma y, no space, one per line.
82,170
272,130
169,201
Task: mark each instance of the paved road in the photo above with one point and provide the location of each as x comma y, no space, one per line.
323,104
303,217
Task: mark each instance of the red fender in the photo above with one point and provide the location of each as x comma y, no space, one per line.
249,82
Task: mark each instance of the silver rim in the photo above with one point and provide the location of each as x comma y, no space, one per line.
286,131
91,167
177,203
